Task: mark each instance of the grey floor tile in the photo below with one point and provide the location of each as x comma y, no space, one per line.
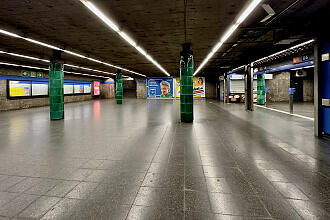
3,177
39,207
92,164
163,181
232,204
6,197
290,191
62,188
195,183
17,205
42,187
160,197
63,209
279,208
309,210
24,185
83,190
210,216
155,213
197,201
9,182
115,194
88,209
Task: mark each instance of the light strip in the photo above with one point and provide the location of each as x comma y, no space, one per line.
229,32
115,28
23,56
47,61
283,51
24,66
238,68
40,68
306,67
67,51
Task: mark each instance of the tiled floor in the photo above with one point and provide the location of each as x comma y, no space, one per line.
300,108
137,161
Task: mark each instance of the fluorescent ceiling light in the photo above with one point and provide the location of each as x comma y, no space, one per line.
24,66
47,61
9,34
67,51
97,12
114,27
89,69
238,68
283,51
42,44
40,68
270,12
306,67
84,74
23,56
229,32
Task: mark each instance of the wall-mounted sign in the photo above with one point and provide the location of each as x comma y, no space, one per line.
301,59
160,88
19,88
32,74
96,88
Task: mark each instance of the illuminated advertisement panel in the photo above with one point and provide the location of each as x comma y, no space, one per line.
39,88
87,88
19,88
96,88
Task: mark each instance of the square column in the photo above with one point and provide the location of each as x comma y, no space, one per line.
56,92
186,84
261,87
248,78
119,87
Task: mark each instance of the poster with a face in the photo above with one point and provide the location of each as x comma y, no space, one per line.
198,84
159,87
199,87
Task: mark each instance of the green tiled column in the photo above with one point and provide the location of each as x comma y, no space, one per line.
119,87
56,93
261,87
186,85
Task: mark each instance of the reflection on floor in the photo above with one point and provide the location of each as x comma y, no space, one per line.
300,108
137,161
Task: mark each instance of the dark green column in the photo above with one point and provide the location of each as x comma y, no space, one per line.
119,87
56,93
186,84
261,87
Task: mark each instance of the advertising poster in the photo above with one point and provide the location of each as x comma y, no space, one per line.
87,88
199,87
19,88
78,88
68,88
160,88
96,88
39,88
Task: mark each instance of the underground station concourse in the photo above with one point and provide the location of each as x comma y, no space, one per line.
172,109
